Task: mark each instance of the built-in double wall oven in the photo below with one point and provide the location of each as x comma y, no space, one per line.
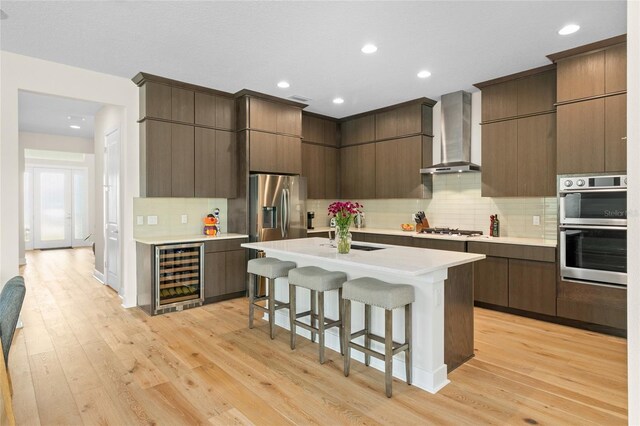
593,229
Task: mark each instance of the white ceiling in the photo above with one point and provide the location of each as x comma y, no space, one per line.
48,114
313,45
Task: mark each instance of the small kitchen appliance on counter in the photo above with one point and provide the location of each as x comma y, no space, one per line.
310,216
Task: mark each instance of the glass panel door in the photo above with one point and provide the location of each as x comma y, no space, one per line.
52,208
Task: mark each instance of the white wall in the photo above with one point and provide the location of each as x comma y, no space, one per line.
47,142
109,118
633,153
20,72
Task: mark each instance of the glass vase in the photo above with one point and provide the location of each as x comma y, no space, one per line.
343,239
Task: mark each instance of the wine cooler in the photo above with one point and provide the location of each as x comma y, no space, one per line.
179,276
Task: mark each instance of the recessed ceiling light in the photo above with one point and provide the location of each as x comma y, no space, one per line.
424,74
569,29
74,126
283,84
338,101
369,48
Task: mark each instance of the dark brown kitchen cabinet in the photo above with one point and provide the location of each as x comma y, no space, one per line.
394,240
499,101
536,166
594,73
155,159
615,68
215,159
182,105
214,111
536,93
500,159
271,153
155,100
182,160
224,270
532,286
397,166
167,159
358,171
491,281
320,167
319,130
581,132
400,121
440,244
358,130
602,305
615,133
581,76
270,116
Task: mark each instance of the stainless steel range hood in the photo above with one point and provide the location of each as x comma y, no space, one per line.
455,135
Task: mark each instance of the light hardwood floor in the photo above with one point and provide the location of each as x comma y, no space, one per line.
82,359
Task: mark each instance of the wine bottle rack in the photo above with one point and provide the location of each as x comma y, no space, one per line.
179,274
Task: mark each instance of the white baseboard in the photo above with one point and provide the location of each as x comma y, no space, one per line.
22,261
98,276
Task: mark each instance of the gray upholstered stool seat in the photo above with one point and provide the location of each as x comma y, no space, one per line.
270,268
373,292
317,280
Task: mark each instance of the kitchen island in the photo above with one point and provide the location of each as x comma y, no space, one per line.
442,312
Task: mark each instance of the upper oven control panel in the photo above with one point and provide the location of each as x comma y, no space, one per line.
577,183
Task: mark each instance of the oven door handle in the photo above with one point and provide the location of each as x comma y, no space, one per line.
612,228
583,191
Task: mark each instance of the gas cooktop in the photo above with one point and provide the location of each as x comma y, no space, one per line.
450,231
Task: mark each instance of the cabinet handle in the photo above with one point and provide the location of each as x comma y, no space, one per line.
624,138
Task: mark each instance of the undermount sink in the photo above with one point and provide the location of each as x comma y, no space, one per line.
365,248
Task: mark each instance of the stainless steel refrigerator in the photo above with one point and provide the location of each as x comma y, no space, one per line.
277,207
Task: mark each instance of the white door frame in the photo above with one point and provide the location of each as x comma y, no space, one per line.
105,197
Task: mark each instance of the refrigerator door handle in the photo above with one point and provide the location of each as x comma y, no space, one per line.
283,214
286,214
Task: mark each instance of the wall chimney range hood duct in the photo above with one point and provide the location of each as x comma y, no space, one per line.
455,135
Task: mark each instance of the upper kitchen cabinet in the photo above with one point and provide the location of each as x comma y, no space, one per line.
182,152
396,167
592,70
215,111
320,130
272,116
404,120
592,113
519,134
358,130
272,153
521,94
358,171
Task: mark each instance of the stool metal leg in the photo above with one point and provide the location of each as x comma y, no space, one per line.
321,324
252,291
367,328
388,350
292,314
407,339
341,319
347,336
272,307
314,313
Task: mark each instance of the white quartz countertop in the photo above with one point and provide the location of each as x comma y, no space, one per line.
187,238
395,259
482,238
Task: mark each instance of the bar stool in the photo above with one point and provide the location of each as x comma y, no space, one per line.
373,292
270,268
317,280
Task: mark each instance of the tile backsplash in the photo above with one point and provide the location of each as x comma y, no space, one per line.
457,203
169,212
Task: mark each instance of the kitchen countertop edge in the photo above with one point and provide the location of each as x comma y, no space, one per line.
480,239
170,239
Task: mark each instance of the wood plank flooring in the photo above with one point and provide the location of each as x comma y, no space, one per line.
83,359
